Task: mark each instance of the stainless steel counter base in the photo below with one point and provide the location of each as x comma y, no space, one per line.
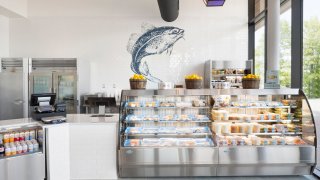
266,160
168,162
216,161
26,167
264,170
168,171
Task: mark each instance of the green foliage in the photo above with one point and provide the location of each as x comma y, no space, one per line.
311,56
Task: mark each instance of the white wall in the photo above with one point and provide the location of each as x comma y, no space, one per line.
14,8
4,36
97,31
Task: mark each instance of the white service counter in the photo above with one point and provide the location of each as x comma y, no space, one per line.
82,148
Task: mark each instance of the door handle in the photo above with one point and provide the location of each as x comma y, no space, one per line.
18,101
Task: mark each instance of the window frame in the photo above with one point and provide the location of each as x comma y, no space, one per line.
296,37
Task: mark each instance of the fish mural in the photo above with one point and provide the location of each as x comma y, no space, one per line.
152,41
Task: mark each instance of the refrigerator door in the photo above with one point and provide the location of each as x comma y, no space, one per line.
11,89
65,85
40,82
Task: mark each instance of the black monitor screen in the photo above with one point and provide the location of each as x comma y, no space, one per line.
36,98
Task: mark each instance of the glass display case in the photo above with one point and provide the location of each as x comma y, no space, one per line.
22,150
215,132
162,129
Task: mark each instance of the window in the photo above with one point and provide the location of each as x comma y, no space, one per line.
311,49
259,52
285,45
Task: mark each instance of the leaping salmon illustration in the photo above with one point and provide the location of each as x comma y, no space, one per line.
154,40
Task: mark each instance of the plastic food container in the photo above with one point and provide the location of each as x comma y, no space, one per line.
165,85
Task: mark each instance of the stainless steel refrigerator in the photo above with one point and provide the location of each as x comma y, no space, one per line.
55,75
13,88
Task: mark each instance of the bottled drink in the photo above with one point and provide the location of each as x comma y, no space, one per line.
1,147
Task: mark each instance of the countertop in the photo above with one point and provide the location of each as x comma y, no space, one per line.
71,119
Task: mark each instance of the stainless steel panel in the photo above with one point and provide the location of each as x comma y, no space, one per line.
11,90
168,156
263,170
54,62
26,167
3,169
203,92
168,171
314,105
267,155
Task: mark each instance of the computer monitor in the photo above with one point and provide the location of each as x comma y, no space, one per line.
36,98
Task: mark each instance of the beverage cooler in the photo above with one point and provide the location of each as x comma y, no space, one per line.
55,75
215,132
22,151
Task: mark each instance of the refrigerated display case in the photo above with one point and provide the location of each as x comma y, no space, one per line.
24,152
55,75
165,133
254,132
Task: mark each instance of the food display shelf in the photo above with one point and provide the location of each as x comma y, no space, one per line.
254,107
167,121
266,134
24,154
258,121
168,134
244,143
161,108
224,75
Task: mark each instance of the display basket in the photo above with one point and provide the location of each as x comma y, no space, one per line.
250,83
194,83
138,83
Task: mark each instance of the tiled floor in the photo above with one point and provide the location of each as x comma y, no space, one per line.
233,178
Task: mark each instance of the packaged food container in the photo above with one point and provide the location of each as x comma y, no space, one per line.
241,142
16,137
7,151
250,128
30,146
21,136
234,128
11,137
218,128
24,147
6,138
27,135
165,85
19,148
234,142
13,149
226,128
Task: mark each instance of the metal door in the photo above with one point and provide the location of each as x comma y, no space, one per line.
65,86
11,89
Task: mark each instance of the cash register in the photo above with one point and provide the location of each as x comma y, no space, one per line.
43,108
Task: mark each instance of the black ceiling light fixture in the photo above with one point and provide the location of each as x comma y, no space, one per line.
169,9
214,3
